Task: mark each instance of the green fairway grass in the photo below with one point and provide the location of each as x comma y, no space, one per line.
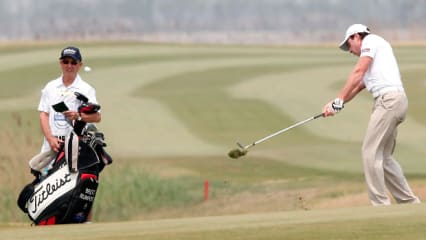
171,113
346,223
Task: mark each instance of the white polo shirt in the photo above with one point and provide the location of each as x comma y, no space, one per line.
54,92
383,73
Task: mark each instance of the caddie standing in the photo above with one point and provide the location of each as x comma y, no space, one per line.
377,71
56,125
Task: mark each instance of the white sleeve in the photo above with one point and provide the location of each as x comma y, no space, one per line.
368,47
43,105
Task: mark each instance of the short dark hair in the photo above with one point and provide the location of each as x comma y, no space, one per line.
363,34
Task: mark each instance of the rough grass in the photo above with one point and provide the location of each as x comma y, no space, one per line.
18,144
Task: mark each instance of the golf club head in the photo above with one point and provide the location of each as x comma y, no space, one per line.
236,153
81,97
240,145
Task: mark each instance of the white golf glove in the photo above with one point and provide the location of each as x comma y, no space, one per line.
337,105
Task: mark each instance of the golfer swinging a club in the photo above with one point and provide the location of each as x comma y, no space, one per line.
377,70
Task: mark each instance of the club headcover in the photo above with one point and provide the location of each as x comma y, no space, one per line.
41,160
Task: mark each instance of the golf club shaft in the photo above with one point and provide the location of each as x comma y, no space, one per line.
283,130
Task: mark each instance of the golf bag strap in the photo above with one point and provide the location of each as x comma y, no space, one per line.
71,151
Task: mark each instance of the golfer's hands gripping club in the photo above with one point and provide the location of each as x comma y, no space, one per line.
333,107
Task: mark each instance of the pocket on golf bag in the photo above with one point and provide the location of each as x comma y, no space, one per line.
82,199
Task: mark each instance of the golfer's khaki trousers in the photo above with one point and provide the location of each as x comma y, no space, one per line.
382,172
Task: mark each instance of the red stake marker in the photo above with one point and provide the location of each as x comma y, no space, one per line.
206,190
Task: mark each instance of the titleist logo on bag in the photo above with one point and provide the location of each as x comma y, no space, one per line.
53,187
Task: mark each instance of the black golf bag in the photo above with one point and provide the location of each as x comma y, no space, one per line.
67,192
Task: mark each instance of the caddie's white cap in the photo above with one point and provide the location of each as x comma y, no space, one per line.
355,28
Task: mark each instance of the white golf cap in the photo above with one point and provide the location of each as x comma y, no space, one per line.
355,28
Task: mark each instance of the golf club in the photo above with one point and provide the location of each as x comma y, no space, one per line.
242,150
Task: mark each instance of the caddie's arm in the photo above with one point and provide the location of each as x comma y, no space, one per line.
91,117
86,117
53,141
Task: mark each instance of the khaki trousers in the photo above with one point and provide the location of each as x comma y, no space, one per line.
382,171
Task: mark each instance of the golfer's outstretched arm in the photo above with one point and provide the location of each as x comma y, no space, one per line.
355,83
